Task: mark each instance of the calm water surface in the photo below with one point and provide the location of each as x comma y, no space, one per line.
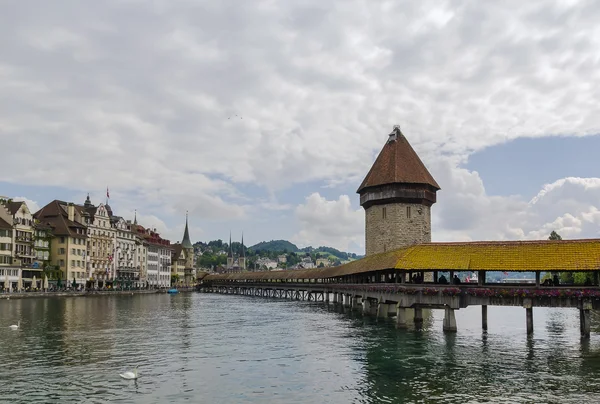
205,348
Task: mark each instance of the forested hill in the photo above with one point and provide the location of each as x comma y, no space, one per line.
284,246
275,246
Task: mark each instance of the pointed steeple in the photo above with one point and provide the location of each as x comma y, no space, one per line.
186,243
243,252
135,217
230,247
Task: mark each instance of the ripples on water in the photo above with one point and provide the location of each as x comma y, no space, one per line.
232,349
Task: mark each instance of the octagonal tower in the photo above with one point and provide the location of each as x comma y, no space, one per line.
397,195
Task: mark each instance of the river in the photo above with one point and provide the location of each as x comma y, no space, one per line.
209,348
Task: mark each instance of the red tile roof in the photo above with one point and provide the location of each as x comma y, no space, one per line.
397,163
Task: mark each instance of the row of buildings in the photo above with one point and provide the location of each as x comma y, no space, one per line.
86,245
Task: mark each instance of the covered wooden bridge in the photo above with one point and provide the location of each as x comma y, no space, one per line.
413,278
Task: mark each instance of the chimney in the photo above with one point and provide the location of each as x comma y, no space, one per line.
71,212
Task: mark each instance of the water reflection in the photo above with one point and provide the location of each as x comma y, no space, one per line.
230,349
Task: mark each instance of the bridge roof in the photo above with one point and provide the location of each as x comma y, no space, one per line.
538,255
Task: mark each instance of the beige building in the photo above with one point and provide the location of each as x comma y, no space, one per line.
101,243
322,262
68,248
10,269
397,195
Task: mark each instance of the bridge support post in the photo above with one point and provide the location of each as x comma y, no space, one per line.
382,310
366,303
449,324
584,319
484,322
418,315
356,301
326,297
400,316
528,304
529,314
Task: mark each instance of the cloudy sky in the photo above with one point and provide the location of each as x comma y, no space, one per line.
264,116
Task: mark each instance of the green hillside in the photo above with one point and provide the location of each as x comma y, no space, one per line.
275,246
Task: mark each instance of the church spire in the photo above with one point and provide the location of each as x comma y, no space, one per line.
186,243
243,252
230,247
135,217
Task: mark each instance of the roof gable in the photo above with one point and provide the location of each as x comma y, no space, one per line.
397,163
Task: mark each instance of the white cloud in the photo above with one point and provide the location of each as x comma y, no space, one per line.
465,211
144,96
330,223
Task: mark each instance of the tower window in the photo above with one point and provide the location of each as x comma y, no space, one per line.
384,212
408,212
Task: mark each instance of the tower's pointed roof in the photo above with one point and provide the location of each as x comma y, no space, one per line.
230,247
186,243
397,163
243,252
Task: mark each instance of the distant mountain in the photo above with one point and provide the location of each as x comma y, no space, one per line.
275,246
282,246
330,251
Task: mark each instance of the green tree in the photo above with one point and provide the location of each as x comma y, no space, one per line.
554,236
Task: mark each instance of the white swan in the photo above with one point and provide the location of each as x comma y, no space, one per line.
130,375
15,327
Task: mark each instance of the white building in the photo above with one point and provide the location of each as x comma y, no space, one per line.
152,265
9,273
266,263
164,266
126,257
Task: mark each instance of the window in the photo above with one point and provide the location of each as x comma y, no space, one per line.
62,240
408,212
61,251
72,263
61,263
384,212
73,251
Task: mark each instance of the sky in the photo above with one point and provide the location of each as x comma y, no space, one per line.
263,117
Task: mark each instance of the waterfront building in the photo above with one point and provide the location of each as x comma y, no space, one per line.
182,261
397,195
22,232
127,260
101,243
10,270
158,256
68,247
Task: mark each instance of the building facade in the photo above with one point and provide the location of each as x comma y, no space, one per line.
154,254
10,269
126,258
68,247
397,195
101,243
182,261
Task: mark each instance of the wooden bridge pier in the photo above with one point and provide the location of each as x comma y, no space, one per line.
385,301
